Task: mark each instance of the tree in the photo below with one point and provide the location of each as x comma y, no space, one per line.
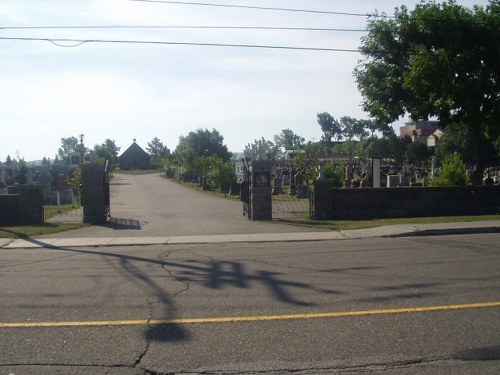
377,148
288,140
398,147
222,175
201,143
70,146
440,60
261,148
107,151
353,127
157,150
331,128
417,152
458,138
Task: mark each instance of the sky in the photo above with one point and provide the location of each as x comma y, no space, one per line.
69,68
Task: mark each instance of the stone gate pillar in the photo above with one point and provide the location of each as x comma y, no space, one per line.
95,194
260,190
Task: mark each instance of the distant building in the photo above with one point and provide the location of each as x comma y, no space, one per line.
419,131
134,157
433,139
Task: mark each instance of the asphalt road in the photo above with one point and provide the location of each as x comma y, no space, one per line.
152,206
419,305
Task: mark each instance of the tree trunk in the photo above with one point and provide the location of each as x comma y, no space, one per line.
477,175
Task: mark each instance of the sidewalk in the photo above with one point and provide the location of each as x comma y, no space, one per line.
384,231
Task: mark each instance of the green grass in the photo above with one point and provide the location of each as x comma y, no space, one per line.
338,225
27,231
51,211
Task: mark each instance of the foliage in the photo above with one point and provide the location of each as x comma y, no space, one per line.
441,60
107,151
331,128
377,148
157,150
201,143
349,127
458,138
70,146
316,150
334,174
288,140
75,181
222,175
452,172
353,128
417,152
262,148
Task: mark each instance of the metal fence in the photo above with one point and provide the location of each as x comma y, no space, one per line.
290,207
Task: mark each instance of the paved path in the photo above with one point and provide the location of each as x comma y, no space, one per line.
152,206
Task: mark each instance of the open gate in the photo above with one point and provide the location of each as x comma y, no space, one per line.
95,193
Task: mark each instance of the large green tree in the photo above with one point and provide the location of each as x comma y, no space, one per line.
439,60
261,148
330,126
70,146
201,143
288,140
352,127
107,151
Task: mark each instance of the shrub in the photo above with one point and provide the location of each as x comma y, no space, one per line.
452,172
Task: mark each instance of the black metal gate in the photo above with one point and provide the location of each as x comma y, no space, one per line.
245,194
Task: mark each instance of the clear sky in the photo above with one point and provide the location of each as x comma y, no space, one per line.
104,88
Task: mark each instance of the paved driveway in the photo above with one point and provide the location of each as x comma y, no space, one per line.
152,206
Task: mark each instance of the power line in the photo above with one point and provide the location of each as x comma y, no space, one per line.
180,27
78,42
255,7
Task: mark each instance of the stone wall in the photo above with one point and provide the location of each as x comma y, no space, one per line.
9,209
328,203
25,207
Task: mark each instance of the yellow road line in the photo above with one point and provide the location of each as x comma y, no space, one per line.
238,319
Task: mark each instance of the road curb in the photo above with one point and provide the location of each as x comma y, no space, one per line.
379,232
446,231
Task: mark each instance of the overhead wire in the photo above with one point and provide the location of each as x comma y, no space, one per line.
62,42
182,27
255,7
78,42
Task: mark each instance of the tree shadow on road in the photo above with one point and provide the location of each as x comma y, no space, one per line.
143,273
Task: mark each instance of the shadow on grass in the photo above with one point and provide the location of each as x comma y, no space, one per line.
26,231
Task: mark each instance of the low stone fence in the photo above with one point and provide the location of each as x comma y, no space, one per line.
328,203
22,206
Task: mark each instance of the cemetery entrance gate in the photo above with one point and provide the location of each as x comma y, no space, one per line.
95,193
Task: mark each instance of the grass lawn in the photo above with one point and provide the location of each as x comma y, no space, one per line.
338,225
25,231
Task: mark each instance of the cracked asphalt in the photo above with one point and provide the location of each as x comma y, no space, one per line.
416,305
254,308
